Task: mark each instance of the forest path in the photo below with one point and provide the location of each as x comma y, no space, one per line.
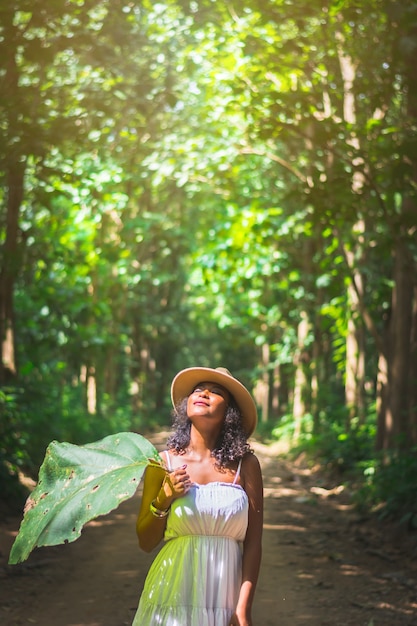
322,564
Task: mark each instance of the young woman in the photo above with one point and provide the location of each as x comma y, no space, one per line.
208,507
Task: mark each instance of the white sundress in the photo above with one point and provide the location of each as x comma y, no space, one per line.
196,576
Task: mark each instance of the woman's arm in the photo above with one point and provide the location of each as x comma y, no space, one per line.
160,489
252,547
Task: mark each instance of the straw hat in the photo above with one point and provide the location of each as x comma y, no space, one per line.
186,380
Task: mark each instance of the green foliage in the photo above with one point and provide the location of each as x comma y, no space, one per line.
77,484
13,427
285,428
339,450
197,179
14,443
389,486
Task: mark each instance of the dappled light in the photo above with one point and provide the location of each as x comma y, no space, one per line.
293,528
219,184
320,561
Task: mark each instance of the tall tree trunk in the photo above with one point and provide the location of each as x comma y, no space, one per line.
275,392
410,213
400,346
384,418
262,390
91,391
401,370
355,359
300,379
413,372
265,382
15,172
317,377
10,265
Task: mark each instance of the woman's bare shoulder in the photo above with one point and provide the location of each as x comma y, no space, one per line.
251,473
251,461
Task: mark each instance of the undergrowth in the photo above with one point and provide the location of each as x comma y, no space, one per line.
383,483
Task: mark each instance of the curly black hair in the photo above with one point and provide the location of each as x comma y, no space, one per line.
231,444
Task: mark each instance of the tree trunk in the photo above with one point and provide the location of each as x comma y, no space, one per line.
355,362
91,391
262,390
275,393
413,373
15,166
384,418
355,359
300,379
401,409
10,264
400,346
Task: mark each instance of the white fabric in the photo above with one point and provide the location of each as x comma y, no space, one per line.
195,578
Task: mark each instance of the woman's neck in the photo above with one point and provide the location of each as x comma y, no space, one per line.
202,444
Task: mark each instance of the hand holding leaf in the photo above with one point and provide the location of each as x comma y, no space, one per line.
77,484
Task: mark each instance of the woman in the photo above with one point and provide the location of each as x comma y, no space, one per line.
208,508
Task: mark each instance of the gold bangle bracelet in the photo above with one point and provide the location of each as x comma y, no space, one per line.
158,512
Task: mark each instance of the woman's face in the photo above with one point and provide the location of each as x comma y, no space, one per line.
208,401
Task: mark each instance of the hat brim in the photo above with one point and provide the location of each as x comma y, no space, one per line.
186,380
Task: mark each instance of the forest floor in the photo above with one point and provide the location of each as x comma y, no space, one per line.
323,564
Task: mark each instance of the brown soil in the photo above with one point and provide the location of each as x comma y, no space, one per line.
322,564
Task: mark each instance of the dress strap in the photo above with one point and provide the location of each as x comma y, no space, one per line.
237,472
167,460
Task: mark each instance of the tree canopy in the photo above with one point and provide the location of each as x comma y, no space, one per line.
207,183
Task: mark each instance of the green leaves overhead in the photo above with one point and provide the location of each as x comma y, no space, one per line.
198,170
77,484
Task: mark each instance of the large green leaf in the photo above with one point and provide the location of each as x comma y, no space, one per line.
77,484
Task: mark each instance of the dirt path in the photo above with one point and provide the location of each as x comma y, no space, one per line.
322,565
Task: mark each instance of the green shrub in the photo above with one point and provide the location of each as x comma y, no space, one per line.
333,446
389,485
13,444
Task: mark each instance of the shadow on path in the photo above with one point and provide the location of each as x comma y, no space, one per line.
322,565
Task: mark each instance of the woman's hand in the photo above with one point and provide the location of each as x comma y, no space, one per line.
240,620
176,483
